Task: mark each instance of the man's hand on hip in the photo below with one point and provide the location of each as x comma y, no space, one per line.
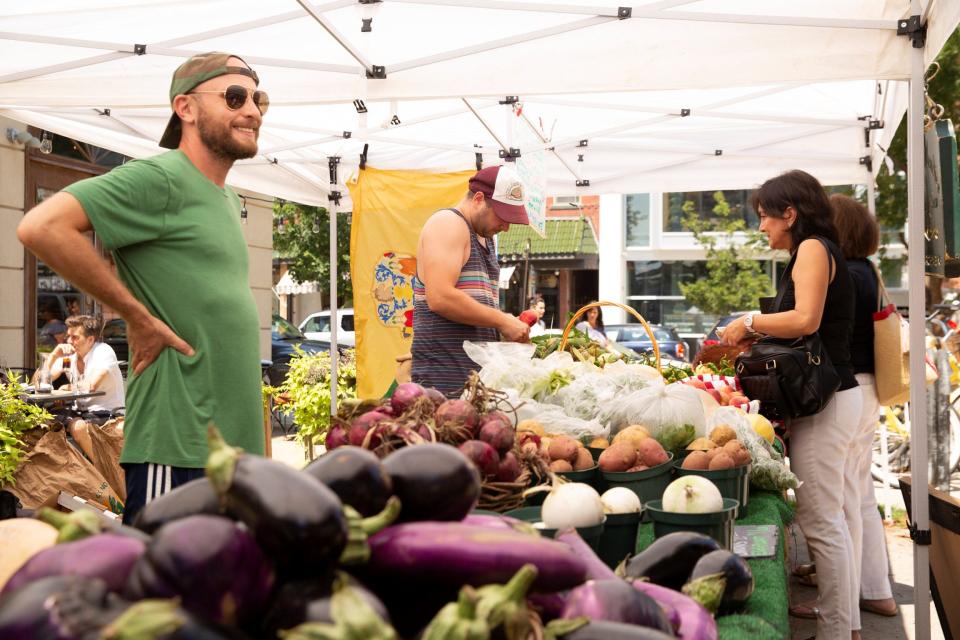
514,329
148,338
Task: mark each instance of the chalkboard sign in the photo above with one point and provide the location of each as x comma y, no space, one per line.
755,540
941,201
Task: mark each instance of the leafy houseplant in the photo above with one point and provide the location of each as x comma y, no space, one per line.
16,418
307,390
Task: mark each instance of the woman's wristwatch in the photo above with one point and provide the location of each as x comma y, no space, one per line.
748,323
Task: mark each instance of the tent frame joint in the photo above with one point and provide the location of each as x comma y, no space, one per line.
346,135
334,197
624,13
583,143
914,28
377,72
509,100
140,49
583,183
867,161
920,537
510,155
684,113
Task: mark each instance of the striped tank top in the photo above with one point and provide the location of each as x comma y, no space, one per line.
438,357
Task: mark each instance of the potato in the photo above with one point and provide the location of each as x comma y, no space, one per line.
732,447
742,457
634,435
599,443
618,457
558,466
651,453
545,447
584,460
721,461
697,460
722,433
713,453
563,448
531,425
702,444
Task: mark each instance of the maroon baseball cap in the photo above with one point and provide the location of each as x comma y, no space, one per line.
502,187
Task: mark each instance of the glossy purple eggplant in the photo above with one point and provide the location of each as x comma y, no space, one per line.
669,560
310,601
191,499
357,477
456,554
58,608
605,630
107,556
296,519
433,482
616,601
737,578
696,623
212,564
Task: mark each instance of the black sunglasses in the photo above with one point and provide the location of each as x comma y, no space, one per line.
236,96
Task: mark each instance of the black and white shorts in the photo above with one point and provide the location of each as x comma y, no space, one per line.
146,481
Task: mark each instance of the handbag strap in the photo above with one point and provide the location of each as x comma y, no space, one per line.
883,298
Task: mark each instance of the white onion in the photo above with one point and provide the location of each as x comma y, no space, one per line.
620,500
692,494
572,504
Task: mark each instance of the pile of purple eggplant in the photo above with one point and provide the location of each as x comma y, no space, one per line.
351,547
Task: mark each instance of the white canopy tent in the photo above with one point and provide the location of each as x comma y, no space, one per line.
663,95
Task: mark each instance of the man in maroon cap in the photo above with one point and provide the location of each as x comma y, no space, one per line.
173,229
456,294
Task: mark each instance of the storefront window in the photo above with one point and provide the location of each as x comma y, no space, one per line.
703,203
637,209
657,278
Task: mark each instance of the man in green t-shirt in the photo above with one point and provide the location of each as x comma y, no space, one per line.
173,229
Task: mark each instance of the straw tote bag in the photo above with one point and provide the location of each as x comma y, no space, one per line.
891,351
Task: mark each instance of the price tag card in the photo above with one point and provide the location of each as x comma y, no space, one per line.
755,540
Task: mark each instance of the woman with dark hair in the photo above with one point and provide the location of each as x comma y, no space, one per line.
593,325
796,216
859,238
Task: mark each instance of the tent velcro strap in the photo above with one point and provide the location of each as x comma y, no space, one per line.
915,29
919,536
867,161
479,157
583,183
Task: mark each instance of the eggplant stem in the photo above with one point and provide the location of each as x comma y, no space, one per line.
384,519
222,461
519,584
72,526
145,619
559,628
359,528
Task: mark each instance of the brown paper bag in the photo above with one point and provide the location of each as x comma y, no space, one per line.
107,443
55,465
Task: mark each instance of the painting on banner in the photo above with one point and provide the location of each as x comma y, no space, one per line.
389,209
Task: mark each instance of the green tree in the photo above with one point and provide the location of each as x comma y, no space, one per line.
735,277
305,245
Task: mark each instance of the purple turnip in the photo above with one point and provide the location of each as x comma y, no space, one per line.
483,456
404,396
436,396
362,424
496,416
456,421
337,436
509,469
497,434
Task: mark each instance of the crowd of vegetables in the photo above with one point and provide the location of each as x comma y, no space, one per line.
356,546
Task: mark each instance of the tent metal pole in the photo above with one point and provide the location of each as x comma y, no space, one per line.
65,66
920,517
499,44
334,321
485,124
509,5
299,145
576,174
317,15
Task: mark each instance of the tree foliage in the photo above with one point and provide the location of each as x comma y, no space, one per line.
735,277
305,246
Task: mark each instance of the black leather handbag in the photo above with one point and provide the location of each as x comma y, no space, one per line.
791,377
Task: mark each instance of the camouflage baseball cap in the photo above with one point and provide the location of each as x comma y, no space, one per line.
197,70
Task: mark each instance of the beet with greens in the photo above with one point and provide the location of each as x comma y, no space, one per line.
296,519
193,498
433,482
107,556
356,476
211,563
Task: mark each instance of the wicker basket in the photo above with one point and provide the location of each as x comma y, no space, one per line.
596,305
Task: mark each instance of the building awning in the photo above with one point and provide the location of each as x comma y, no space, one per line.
287,286
505,274
566,238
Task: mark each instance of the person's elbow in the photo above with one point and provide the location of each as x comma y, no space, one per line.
438,301
30,230
808,323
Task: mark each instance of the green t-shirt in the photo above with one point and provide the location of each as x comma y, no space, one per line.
179,248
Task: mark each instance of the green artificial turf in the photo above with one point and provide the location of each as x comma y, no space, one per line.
765,615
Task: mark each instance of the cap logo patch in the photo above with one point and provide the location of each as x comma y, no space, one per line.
515,192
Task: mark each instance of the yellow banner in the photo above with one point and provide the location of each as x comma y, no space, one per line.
389,209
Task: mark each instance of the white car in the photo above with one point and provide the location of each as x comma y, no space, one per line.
316,326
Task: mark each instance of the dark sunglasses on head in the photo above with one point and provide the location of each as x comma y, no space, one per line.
236,96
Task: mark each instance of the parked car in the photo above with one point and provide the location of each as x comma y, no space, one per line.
283,338
634,336
316,326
